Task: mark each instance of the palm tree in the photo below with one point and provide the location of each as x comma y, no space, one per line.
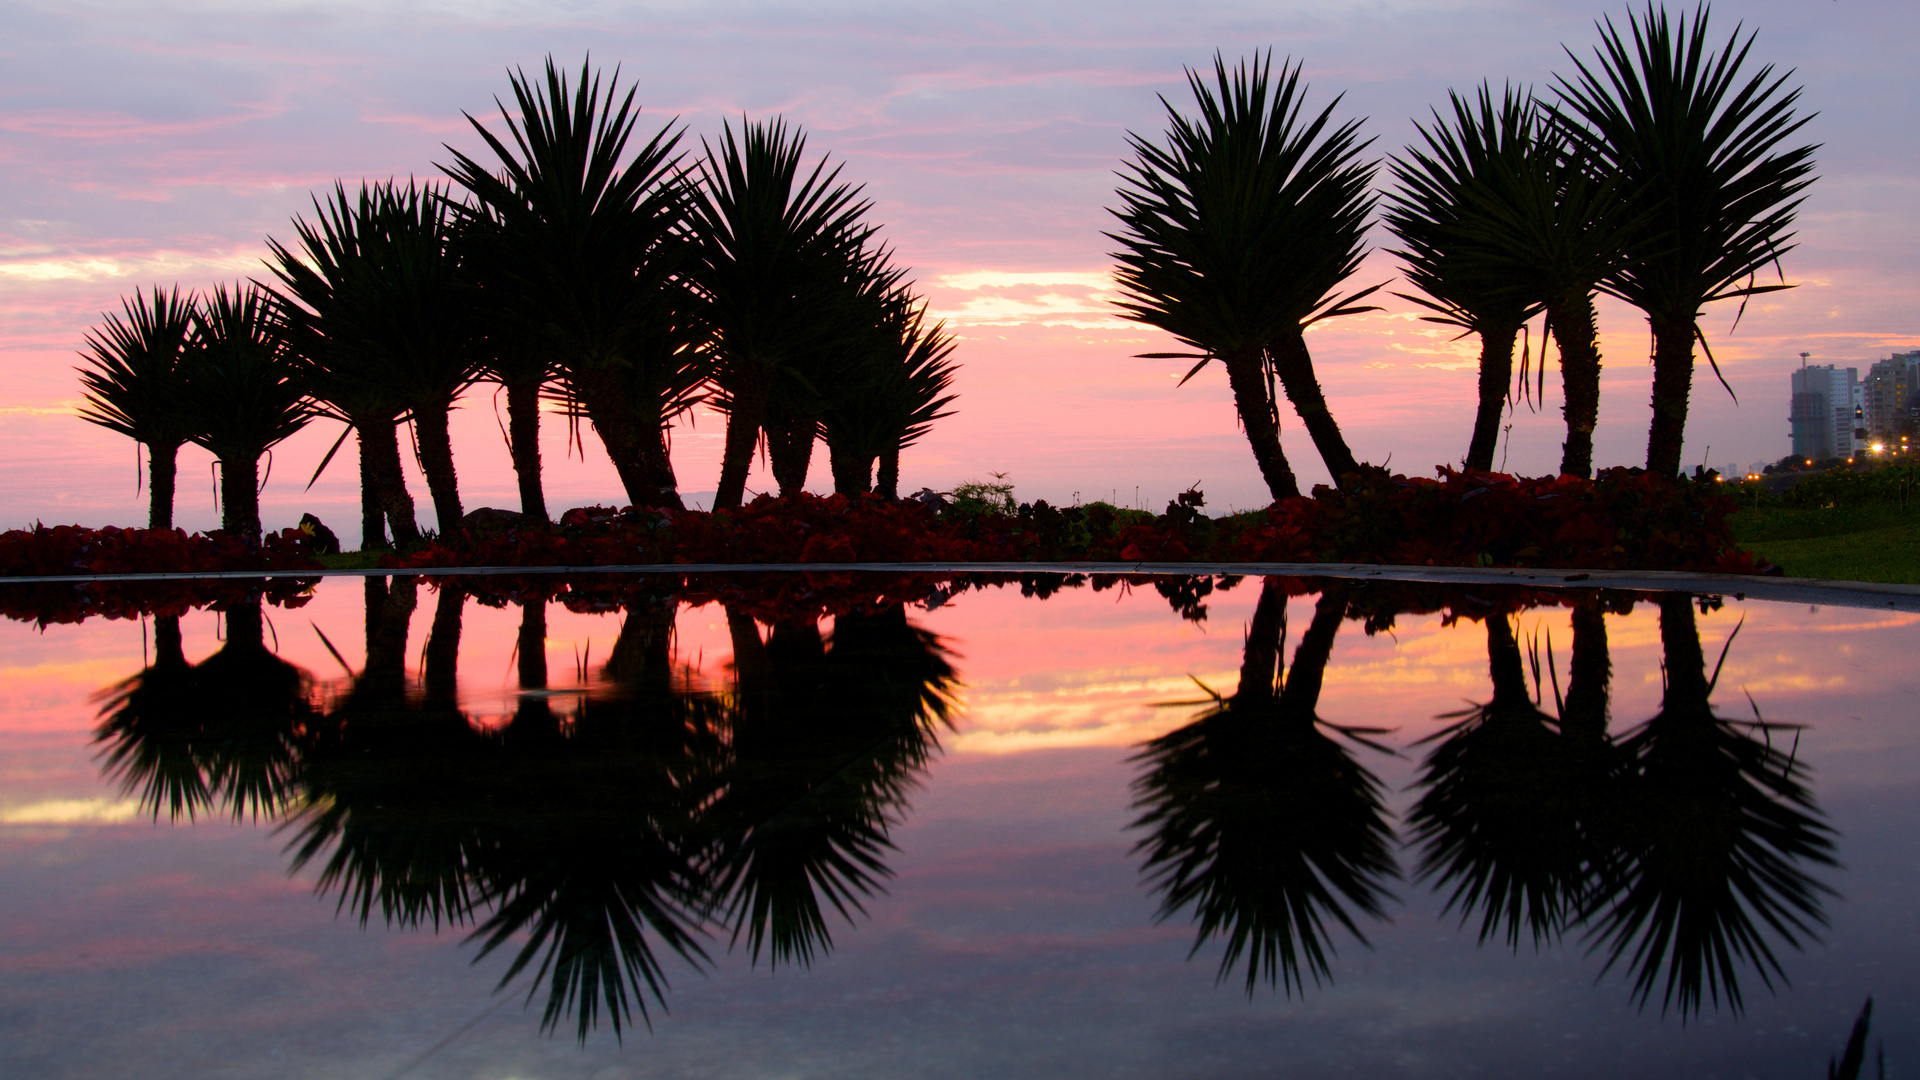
583,260
776,260
1237,235
1550,229
246,395
134,385
1260,822
1437,212
339,299
1699,151
892,388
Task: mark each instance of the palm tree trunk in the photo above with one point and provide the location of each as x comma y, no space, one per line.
1302,693
246,625
790,449
1571,320
442,675
1504,664
380,452
1260,659
373,516
635,442
436,460
533,645
388,618
240,495
523,440
659,465
168,645
748,409
1294,364
1591,672
852,471
1247,375
162,464
887,483
1496,371
1686,664
1672,383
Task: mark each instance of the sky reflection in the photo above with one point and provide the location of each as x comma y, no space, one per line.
1006,927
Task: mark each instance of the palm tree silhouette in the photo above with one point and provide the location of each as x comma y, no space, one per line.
1439,212
1544,228
827,739
345,290
1258,821
782,257
583,259
888,398
1698,151
245,393
134,383
1514,815
1237,235
224,735
1719,830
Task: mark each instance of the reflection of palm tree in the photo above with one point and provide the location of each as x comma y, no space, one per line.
1506,817
574,841
1259,821
826,742
1720,825
222,734
588,850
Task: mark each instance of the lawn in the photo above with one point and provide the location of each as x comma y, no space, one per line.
1868,542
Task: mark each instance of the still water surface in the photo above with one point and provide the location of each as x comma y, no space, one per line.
1320,829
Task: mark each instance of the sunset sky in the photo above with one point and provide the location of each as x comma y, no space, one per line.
162,142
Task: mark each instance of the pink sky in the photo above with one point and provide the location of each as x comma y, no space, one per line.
163,142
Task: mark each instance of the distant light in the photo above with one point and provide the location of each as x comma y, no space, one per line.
1879,448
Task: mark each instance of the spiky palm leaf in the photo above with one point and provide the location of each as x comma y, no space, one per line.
1433,212
1238,234
134,384
1700,150
245,392
581,248
777,249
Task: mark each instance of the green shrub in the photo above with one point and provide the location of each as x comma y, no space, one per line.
976,498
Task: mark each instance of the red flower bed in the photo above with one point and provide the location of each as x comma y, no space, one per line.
1623,520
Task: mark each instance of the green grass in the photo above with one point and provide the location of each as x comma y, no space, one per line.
1876,541
351,560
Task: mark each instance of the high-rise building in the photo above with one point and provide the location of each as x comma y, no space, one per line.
1890,387
1828,411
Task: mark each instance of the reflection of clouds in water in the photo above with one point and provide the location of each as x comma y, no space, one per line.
98,811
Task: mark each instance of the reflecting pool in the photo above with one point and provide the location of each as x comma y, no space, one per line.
798,826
